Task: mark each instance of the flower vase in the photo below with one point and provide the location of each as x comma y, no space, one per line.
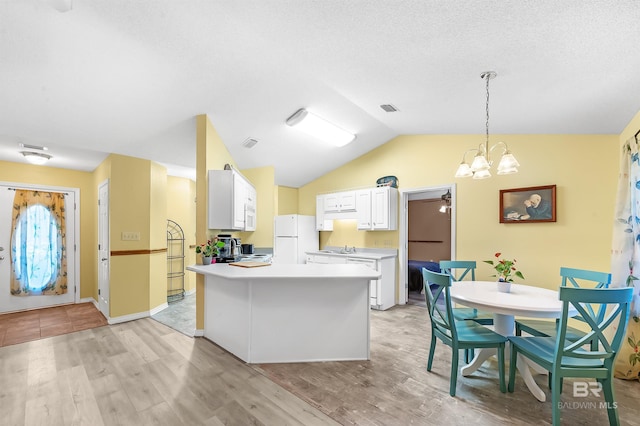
206,260
504,286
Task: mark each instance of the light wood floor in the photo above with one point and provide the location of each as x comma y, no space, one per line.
143,372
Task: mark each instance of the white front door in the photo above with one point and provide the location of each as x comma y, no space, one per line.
103,248
10,303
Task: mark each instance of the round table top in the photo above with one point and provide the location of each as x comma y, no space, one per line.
523,300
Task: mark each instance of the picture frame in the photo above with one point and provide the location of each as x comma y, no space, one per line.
528,205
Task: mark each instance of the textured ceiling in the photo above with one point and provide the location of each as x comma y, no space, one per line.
129,77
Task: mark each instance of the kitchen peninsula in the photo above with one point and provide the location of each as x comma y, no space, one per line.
288,312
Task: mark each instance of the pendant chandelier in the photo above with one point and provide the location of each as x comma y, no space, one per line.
482,162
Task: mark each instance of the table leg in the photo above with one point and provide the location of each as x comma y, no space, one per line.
505,325
523,365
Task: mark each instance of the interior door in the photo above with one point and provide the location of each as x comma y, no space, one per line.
10,303
103,248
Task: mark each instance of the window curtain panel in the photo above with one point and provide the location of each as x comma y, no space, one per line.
625,256
38,253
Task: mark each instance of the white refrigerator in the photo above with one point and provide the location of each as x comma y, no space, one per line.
294,235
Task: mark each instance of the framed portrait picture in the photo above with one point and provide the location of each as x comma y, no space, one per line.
526,205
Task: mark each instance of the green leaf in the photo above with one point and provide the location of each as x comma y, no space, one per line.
632,359
631,342
519,274
490,262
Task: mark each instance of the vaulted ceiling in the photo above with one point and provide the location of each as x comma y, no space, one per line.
129,77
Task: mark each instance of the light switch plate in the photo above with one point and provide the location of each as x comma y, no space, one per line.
130,236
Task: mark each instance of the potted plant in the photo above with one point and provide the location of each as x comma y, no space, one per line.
209,250
506,269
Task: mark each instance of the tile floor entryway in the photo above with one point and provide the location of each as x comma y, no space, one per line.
19,327
180,315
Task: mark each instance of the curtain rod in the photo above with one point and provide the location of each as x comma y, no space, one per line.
29,189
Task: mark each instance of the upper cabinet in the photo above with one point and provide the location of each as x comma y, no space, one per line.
376,209
231,201
340,202
322,223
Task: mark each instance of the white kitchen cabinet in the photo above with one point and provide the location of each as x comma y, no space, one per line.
322,223
382,292
384,208
363,208
231,201
377,209
344,201
250,209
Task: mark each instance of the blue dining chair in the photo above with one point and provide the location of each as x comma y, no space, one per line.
577,278
581,358
458,334
459,270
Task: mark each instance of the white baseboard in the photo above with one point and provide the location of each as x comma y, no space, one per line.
90,299
127,318
190,292
198,333
159,308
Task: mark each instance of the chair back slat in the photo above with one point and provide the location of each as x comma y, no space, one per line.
435,285
459,269
580,278
615,300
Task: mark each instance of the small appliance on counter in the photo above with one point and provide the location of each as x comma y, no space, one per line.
231,248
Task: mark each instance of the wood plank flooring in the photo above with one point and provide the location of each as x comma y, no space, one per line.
139,373
25,326
143,372
394,388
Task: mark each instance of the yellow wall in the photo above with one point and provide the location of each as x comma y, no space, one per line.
157,236
263,178
181,208
287,200
584,168
50,176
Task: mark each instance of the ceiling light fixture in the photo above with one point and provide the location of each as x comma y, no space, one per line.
36,157
319,128
481,164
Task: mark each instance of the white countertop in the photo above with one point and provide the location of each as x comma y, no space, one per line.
299,270
361,253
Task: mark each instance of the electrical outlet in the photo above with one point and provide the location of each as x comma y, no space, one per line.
130,236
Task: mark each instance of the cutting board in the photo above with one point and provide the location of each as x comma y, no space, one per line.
249,264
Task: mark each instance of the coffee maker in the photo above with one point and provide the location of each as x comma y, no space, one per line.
231,248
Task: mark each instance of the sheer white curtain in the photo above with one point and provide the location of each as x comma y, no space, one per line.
625,255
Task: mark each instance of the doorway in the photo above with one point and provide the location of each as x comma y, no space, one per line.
431,194
13,303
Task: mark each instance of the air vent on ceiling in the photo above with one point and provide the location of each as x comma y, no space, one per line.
388,108
39,148
249,142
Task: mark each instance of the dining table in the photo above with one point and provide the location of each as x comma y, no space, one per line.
522,301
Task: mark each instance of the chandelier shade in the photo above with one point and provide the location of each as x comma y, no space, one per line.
481,164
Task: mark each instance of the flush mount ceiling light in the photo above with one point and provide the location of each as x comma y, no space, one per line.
36,157
319,128
481,164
